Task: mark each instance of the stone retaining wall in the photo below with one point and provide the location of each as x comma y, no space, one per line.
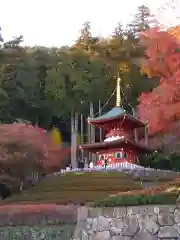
131,223
84,223
37,222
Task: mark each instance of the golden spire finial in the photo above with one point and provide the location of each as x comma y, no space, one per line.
118,92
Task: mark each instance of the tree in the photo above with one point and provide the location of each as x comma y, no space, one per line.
44,59
76,80
142,21
85,35
25,149
156,160
86,41
13,57
22,76
161,107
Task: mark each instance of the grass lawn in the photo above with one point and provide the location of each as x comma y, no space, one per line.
77,188
101,189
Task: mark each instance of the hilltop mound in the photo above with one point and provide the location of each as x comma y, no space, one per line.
76,188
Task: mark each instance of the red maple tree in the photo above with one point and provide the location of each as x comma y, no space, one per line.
25,149
161,107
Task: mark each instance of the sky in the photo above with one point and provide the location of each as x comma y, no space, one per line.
58,22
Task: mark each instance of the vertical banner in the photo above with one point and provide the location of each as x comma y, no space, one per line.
56,136
72,140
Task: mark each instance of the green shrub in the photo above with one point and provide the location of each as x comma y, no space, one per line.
158,160
130,200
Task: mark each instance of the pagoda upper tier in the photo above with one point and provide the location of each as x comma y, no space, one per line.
117,113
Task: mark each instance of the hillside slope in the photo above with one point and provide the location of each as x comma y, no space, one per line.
76,188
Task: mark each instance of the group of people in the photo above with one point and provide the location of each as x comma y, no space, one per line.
82,164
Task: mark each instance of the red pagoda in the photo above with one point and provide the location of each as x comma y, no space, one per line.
121,143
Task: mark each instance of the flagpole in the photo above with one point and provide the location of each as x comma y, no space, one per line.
75,138
100,129
82,137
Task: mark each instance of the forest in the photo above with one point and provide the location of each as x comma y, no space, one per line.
42,85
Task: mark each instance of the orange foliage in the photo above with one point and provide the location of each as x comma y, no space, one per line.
161,107
161,188
175,31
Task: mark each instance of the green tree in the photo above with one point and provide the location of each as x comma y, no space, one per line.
86,41
75,81
142,20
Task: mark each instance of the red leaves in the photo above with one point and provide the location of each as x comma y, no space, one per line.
161,107
25,208
31,214
160,52
27,148
32,208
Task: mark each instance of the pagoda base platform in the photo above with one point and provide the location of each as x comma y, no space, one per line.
120,167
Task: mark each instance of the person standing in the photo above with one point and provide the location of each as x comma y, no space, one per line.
91,165
105,163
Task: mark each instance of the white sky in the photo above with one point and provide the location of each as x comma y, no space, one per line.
57,22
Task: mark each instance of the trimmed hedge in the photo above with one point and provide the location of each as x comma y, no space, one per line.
128,200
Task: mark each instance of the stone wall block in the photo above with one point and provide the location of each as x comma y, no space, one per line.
89,222
177,227
84,236
79,229
177,215
164,208
149,223
101,224
108,212
168,232
121,238
132,228
119,212
82,213
95,212
115,231
144,235
166,219
140,210
121,222
104,235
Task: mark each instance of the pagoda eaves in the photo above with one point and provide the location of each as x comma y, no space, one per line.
114,114
101,146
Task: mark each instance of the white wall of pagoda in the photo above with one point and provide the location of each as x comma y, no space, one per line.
117,133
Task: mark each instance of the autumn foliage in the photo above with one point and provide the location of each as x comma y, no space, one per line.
161,107
25,149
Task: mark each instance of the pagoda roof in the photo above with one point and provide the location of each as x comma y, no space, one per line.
120,143
113,114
